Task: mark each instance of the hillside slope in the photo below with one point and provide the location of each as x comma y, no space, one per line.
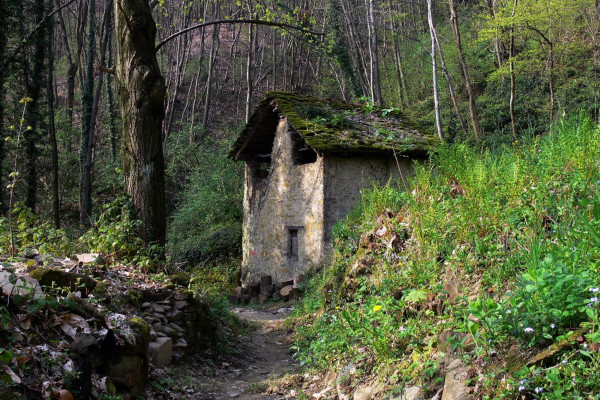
489,257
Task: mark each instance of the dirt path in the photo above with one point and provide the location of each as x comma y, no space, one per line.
262,356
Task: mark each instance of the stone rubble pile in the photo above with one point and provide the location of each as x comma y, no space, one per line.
168,321
265,289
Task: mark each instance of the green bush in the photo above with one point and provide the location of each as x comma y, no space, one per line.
207,224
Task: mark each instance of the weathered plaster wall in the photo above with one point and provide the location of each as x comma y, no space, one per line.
346,176
291,196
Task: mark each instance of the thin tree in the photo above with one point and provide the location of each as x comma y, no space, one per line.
465,70
436,95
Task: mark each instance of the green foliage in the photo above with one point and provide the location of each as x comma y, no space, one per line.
207,225
115,234
518,228
32,232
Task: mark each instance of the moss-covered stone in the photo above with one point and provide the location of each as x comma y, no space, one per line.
55,278
180,279
140,328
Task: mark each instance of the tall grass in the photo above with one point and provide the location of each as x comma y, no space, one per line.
522,219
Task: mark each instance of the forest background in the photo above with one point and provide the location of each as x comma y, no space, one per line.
482,71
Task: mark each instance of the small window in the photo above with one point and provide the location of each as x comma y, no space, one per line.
293,243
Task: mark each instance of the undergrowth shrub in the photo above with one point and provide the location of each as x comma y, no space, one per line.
206,228
115,234
30,232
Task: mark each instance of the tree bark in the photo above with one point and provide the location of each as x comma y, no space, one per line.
141,89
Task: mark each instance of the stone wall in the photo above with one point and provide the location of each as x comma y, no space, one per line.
289,199
304,201
344,178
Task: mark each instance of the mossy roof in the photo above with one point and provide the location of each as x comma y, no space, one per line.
331,127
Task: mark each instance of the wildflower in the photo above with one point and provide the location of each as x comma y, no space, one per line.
594,299
564,362
377,308
594,289
521,388
523,381
529,330
585,345
552,326
539,390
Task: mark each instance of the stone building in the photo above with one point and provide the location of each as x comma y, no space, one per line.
306,161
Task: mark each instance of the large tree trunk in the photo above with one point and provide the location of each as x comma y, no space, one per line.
141,89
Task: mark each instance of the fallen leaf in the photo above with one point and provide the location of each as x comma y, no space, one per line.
72,324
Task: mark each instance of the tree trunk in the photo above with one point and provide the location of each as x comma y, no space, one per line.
375,81
249,70
450,86
35,82
141,89
52,132
465,71
110,99
511,105
87,103
214,46
436,95
3,43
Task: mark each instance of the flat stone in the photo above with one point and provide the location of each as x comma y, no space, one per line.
153,335
146,305
21,285
161,334
367,392
181,344
411,393
158,308
455,387
150,319
161,351
286,291
180,304
87,258
176,327
175,316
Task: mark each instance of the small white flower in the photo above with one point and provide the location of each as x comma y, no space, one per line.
594,299
552,326
564,362
585,345
521,388
539,390
529,330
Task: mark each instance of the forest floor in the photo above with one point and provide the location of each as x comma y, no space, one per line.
260,366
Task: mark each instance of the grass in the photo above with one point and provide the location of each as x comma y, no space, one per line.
515,231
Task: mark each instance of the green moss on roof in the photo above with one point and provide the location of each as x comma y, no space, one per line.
329,126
